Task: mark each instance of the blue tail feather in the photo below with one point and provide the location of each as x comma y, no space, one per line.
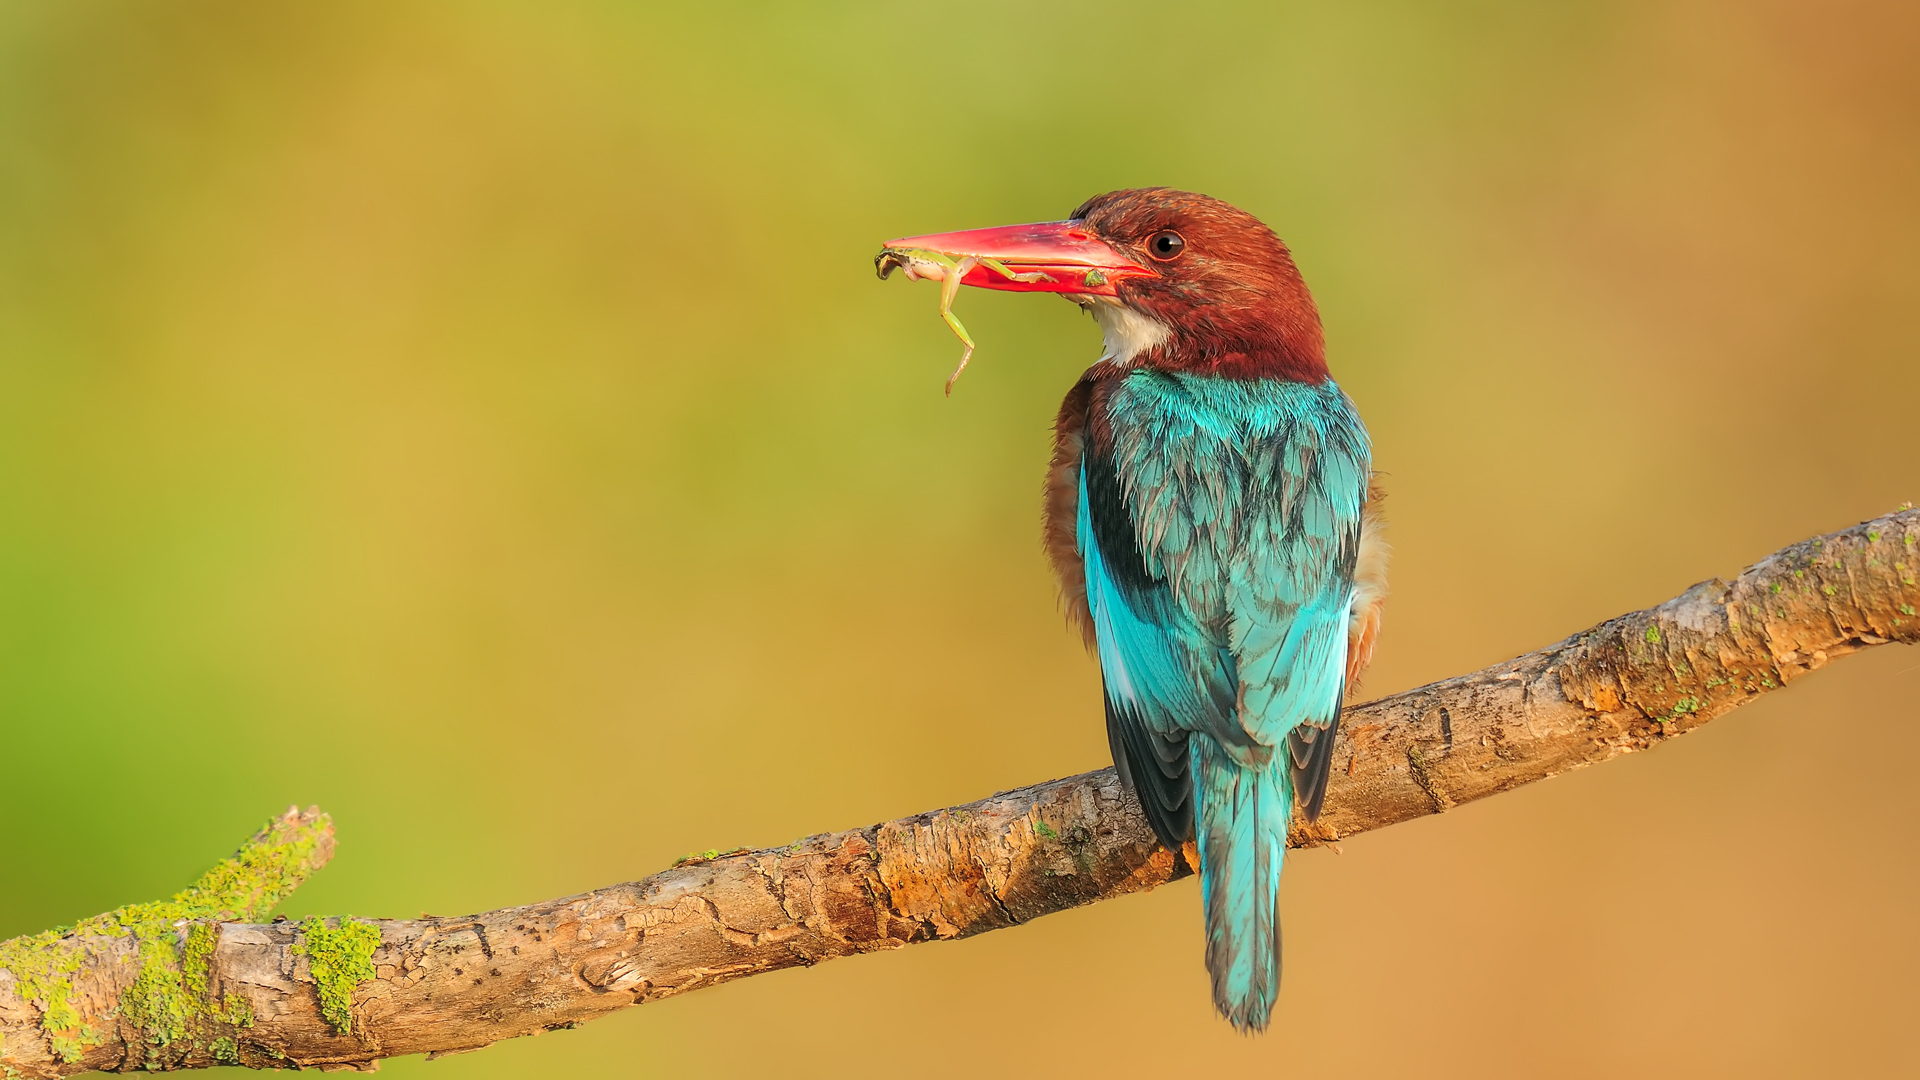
1241,812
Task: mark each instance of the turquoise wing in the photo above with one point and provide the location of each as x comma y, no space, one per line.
1290,587
1158,688
1218,527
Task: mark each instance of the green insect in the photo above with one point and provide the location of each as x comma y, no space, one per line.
948,269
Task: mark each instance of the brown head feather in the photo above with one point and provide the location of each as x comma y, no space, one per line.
1232,298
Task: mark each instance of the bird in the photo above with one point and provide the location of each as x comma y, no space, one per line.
1213,517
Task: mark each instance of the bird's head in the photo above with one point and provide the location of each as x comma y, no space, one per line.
1177,281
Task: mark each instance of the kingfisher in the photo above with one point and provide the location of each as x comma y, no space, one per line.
1211,512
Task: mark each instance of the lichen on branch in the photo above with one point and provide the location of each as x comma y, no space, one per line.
340,958
171,942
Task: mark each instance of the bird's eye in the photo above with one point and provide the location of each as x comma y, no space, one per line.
1165,245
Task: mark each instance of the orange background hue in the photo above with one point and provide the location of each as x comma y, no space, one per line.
481,420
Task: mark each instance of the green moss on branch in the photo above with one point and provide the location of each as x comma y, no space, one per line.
169,999
340,958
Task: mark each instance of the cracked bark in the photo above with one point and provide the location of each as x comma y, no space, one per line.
450,985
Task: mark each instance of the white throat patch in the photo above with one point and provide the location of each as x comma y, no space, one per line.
1126,332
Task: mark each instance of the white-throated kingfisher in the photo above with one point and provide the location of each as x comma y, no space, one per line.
1210,513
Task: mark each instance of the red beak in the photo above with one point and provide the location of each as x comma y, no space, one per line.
1050,256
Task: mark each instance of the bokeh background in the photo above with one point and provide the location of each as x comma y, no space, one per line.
481,419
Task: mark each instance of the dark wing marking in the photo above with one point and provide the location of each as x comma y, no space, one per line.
1310,749
1154,768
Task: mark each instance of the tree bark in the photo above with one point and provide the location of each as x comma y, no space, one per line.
345,993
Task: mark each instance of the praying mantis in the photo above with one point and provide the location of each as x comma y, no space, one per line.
947,268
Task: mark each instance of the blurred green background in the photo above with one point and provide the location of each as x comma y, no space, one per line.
481,419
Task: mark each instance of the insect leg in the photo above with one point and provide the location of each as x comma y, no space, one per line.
1004,271
949,289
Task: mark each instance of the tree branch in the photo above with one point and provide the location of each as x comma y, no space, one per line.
177,985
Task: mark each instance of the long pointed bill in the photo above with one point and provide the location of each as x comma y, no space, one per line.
1051,256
